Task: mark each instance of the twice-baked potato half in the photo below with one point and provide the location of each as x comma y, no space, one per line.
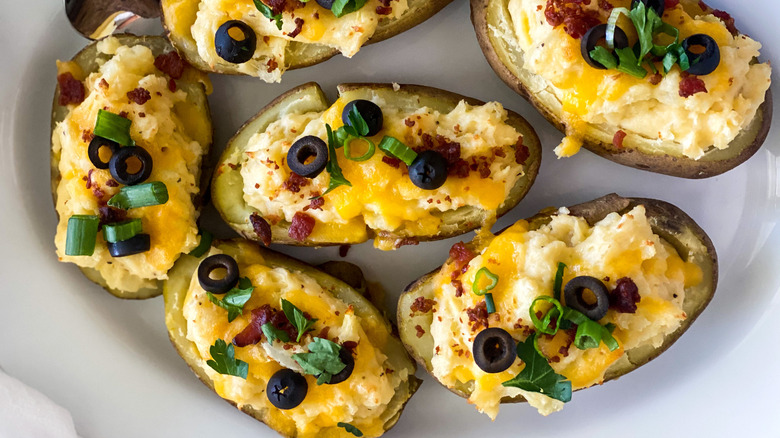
264,38
270,343
685,96
429,164
591,292
130,128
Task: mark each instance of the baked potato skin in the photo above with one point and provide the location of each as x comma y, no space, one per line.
86,59
298,55
227,185
666,220
175,291
599,141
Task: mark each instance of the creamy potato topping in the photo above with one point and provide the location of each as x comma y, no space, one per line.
526,262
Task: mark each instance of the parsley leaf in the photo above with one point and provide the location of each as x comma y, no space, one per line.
336,177
272,333
235,298
322,360
629,64
268,13
603,57
538,375
223,360
344,7
358,122
297,319
351,429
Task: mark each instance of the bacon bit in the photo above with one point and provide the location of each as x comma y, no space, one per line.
383,10
343,250
409,122
71,89
458,288
88,179
261,228
287,346
392,162
703,6
295,182
111,183
575,19
691,85
406,241
625,296
461,256
521,152
298,28
272,65
617,139
727,20
103,84
109,215
478,316
324,333
87,136
655,79
171,64
253,333
422,305
316,203
605,5
123,114
350,346
420,331
498,152
669,4
301,226
139,95
98,193
142,115
564,350
460,169
316,15
171,85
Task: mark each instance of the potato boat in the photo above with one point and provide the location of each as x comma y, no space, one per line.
323,312
591,293
437,165
141,187
300,34
695,123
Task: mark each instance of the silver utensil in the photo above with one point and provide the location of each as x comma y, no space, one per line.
98,18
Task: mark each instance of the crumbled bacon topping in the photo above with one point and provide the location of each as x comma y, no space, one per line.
422,305
71,89
301,226
668,4
625,296
691,85
521,151
110,215
576,20
478,316
295,182
406,241
458,285
461,256
139,95
253,333
261,228
171,64
617,139
316,203
298,28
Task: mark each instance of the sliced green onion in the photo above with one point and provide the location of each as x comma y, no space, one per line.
484,272
118,232
369,153
489,304
113,127
543,325
204,244
588,335
141,195
396,149
82,235
612,23
608,339
558,281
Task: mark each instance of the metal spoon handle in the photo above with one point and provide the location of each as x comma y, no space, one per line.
98,18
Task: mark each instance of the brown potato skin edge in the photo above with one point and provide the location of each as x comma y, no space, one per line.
664,164
204,178
593,211
530,139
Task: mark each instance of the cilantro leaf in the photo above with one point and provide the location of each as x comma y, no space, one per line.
268,13
344,7
223,360
297,319
272,333
336,177
322,360
538,375
235,298
351,429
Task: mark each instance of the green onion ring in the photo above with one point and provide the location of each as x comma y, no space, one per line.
612,23
369,153
543,325
484,272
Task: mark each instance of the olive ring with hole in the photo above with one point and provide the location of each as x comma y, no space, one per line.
93,151
592,38
218,285
369,111
134,245
235,51
302,151
118,165
705,62
286,389
494,350
574,291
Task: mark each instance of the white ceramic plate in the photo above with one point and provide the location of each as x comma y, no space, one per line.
110,362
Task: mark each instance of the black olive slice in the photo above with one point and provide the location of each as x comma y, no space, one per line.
221,285
573,293
96,145
118,166
494,350
302,150
657,5
327,4
286,389
134,245
233,47
429,170
592,38
349,361
370,112
705,62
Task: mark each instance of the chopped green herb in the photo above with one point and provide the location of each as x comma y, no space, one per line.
141,195
268,13
538,375
589,333
297,318
223,360
344,7
490,306
357,122
272,333
484,272
629,63
396,149
322,360
604,57
82,235
558,283
113,127
203,245
235,299
351,429
334,170
543,325
120,231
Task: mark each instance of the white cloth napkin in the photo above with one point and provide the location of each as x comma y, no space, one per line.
26,413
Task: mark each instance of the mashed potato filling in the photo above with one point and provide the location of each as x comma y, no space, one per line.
382,196
361,400
526,262
319,26
159,128
674,124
